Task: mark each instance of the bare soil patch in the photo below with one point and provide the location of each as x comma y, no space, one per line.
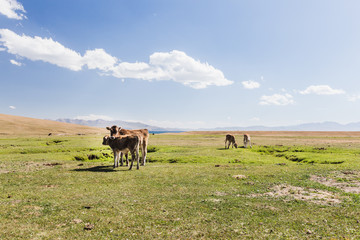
26,166
304,194
347,181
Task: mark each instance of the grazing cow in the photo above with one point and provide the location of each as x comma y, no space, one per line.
247,140
231,139
124,144
143,135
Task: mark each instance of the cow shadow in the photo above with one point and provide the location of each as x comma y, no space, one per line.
229,148
109,168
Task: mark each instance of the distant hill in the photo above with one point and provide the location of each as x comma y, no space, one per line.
16,125
323,126
127,125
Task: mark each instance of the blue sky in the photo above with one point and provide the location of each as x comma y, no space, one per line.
181,63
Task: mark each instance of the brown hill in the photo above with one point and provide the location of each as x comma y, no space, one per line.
15,125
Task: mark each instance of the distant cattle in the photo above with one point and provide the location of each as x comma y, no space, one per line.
230,139
124,144
247,140
143,135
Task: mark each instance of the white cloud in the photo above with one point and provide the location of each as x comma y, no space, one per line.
99,59
322,90
12,107
181,68
37,48
277,99
94,117
12,9
250,84
15,62
174,65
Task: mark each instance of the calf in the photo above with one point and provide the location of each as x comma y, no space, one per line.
231,139
247,140
143,135
124,144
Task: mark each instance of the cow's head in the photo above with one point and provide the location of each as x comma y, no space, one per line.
106,140
114,130
235,144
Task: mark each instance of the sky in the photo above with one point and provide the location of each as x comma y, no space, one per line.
182,63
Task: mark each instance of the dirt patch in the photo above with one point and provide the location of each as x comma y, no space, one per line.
3,170
32,210
217,193
50,186
347,181
298,193
26,166
239,177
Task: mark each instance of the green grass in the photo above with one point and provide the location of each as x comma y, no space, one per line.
186,191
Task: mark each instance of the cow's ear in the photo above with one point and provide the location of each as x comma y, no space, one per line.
108,128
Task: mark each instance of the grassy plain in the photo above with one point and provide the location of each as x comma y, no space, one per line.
288,186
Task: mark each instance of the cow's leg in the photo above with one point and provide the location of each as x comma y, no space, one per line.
144,157
132,161
115,156
137,155
118,159
143,153
127,159
250,143
121,159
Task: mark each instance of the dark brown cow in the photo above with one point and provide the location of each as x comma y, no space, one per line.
247,140
143,135
231,140
124,144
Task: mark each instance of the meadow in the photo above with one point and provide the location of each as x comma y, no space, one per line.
288,186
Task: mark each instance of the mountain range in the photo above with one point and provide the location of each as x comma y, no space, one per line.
100,123
322,126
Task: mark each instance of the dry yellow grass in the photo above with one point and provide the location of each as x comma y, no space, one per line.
23,126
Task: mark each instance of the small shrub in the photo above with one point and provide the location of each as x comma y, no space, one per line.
173,160
335,162
106,155
150,160
55,142
92,156
294,158
280,155
152,149
79,158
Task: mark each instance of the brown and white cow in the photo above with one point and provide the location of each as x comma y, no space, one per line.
143,135
230,139
124,144
247,140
